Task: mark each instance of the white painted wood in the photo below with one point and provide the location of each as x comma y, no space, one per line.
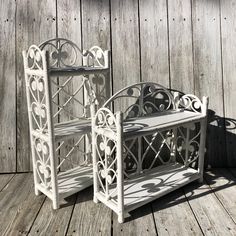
74,180
146,125
154,184
66,130
76,71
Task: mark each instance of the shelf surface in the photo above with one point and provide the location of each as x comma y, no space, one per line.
149,124
74,180
66,130
80,70
156,183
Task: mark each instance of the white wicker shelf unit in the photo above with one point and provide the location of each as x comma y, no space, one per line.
59,94
153,147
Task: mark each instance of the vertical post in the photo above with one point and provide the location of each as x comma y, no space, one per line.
87,102
187,147
94,154
53,160
173,144
176,100
120,171
139,154
202,138
36,178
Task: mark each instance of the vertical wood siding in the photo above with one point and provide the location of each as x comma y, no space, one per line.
188,45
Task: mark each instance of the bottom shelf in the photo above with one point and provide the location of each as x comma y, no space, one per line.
156,183
74,180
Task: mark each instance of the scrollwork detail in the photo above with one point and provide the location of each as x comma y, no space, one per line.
191,102
42,162
104,118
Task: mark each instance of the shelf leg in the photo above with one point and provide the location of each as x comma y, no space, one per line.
202,150
55,204
121,218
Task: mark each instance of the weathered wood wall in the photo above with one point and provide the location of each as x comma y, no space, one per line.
187,45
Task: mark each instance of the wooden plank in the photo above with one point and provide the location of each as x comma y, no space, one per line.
228,20
210,214
7,87
89,218
19,205
96,31
96,24
139,223
36,22
180,40
173,215
154,41
222,182
53,222
5,179
69,27
125,43
208,74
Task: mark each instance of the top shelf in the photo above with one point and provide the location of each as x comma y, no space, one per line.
80,70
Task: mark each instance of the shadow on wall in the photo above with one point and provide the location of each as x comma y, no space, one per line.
221,141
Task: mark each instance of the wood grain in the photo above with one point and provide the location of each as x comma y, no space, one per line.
208,74
140,223
4,180
210,215
19,205
69,22
89,218
53,222
222,182
180,38
36,22
96,31
228,25
173,215
7,87
154,41
125,43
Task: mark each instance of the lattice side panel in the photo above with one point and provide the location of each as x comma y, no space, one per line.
74,147
188,141
70,107
157,149
130,157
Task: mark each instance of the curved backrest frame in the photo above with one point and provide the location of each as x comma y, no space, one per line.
148,95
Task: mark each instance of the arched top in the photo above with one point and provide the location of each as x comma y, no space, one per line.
142,99
65,53
35,58
62,52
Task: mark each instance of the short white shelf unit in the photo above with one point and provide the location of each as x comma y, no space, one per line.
59,94
153,147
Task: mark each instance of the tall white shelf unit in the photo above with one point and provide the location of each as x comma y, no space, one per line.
147,142
59,95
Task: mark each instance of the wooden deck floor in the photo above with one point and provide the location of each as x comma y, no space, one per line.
206,209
